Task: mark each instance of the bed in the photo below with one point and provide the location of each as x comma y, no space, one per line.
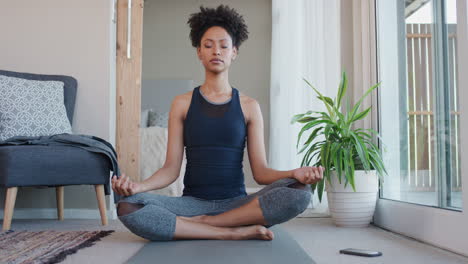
157,96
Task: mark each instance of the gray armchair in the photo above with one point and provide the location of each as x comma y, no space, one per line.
57,165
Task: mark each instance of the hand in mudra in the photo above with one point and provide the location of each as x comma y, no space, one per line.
124,186
308,175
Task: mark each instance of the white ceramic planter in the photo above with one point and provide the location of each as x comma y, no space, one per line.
349,208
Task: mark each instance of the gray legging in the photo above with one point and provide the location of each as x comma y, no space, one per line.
156,219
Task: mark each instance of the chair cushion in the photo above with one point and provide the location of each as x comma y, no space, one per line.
37,165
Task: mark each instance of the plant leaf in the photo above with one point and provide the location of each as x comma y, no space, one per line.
330,112
327,100
342,89
362,114
298,116
340,165
320,189
311,138
361,150
356,106
310,125
306,119
351,171
313,186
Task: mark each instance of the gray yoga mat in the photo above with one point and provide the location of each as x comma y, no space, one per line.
282,249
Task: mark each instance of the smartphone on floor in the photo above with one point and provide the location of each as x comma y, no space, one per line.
361,252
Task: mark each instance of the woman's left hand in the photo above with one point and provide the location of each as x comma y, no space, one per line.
308,175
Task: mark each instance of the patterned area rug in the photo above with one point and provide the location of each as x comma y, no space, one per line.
44,246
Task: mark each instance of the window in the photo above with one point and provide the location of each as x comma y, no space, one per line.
418,101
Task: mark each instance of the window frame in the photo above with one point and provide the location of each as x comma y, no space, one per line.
442,227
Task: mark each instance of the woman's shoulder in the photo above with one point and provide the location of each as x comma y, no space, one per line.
185,96
181,103
249,105
245,99
247,102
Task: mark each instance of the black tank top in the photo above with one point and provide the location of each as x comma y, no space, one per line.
214,140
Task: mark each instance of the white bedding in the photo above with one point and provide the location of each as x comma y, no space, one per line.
153,142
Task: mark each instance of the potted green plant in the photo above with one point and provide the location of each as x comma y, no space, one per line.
344,152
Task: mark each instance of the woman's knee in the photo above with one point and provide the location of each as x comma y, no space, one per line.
283,203
303,200
298,200
151,222
126,208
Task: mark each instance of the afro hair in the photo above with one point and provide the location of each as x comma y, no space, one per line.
222,16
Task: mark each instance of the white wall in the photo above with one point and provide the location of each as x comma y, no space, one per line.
168,54
70,38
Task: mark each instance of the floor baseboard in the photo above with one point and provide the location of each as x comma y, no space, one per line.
51,213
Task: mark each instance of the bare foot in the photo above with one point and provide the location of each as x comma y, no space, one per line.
252,232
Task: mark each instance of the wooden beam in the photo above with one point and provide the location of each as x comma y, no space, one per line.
129,87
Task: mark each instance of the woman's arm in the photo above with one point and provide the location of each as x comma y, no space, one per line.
170,171
257,157
256,148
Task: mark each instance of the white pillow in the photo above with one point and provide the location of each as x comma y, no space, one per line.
157,118
153,142
31,108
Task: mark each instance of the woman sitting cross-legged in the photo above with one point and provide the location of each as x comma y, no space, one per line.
213,123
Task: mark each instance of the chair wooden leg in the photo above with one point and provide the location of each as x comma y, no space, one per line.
59,190
9,206
101,202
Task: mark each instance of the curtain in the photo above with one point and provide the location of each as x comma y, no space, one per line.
305,44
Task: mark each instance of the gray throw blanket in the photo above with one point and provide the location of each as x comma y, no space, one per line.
87,142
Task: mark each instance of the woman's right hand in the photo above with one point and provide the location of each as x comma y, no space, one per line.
308,174
124,186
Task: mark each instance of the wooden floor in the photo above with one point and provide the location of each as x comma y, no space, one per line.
317,236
